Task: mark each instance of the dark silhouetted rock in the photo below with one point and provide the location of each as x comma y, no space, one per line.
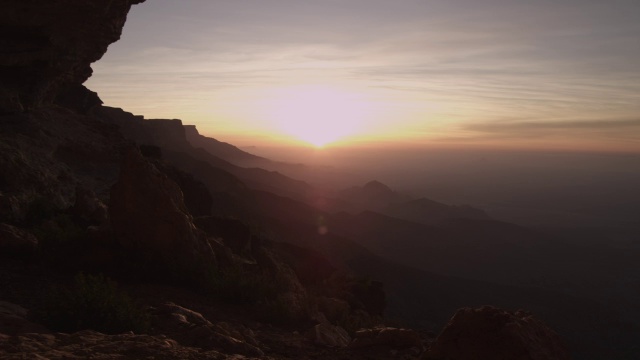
234,233
334,309
190,328
89,208
17,242
91,344
48,46
370,296
78,98
13,320
491,333
387,336
197,197
150,219
329,335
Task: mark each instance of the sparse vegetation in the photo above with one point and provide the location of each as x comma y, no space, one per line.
94,302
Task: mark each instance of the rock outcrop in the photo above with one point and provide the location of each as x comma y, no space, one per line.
388,337
13,320
89,208
491,333
94,345
16,242
190,328
329,335
150,220
48,46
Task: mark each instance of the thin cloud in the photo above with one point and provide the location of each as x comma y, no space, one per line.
622,129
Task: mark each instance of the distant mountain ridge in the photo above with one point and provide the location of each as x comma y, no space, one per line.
425,211
222,149
171,136
378,197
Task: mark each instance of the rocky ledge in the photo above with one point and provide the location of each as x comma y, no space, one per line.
48,46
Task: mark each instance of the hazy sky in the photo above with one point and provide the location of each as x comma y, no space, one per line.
557,74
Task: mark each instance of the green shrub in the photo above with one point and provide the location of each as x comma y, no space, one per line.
93,303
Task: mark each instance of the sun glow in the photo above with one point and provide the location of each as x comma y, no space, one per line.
316,114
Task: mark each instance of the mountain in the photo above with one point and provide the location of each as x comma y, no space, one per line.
421,296
120,238
373,195
430,212
223,150
171,137
378,197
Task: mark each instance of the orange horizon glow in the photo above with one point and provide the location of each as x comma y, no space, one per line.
489,83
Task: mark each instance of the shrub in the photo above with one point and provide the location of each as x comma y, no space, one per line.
94,302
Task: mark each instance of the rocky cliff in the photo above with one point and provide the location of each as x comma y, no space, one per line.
48,46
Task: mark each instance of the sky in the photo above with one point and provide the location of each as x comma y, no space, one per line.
541,74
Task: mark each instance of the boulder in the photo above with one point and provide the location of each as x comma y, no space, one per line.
78,98
335,310
13,320
491,333
89,208
388,337
235,233
190,328
329,335
17,242
93,345
151,221
197,197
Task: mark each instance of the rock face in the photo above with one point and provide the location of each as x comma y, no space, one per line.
13,320
88,207
190,328
150,220
48,46
387,336
329,335
490,333
16,242
94,345
197,197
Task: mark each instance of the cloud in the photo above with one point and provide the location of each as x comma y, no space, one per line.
622,129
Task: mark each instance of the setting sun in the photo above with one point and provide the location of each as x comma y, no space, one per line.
315,114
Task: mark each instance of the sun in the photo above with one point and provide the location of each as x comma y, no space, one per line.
317,114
